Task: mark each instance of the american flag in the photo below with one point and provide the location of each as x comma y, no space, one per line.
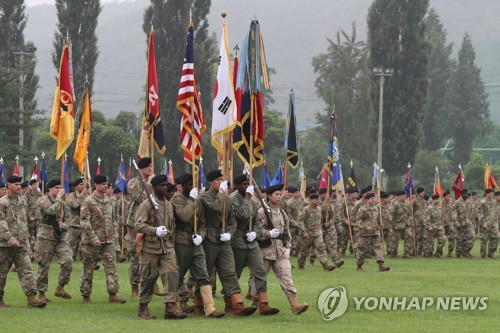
192,120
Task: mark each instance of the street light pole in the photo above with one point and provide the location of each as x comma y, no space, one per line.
381,73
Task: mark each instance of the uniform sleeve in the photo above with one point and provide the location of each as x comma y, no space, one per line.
183,212
301,221
263,231
231,223
85,213
142,219
4,226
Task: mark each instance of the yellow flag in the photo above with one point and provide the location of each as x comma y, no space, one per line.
83,140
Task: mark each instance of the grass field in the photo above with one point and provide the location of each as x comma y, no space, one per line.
421,277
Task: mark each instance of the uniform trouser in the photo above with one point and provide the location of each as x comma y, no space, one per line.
451,234
134,274
364,244
429,241
32,229
294,239
465,239
220,256
420,236
313,242
253,259
90,256
387,234
192,258
396,236
159,265
330,240
489,239
339,230
73,236
283,272
45,250
344,238
21,258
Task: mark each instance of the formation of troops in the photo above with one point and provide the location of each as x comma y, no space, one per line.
188,238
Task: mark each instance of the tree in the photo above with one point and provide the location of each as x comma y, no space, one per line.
396,39
78,20
439,68
474,172
170,20
468,114
129,122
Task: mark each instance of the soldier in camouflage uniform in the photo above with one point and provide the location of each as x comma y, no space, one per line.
465,229
50,241
137,196
98,236
292,210
74,202
328,220
449,223
14,243
433,225
3,190
352,196
489,226
419,205
400,226
476,212
368,229
386,232
115,200
32,197
309,224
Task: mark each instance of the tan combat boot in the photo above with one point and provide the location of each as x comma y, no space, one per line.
407,255
208,301
172,313
143,311
34,302
328,268
135,291
3,304
295,306
438,254
359,268
238,308
115,299
338,263
43,298
382,268
264,309
86,300
60,292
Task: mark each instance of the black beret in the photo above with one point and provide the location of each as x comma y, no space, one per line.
159,179
78,181
185,178
24,184
352,190
363,191
117,190
53,183
313,195
170,187
273,188
292,189
2,185
241,178
420,189
464,191
14,179
99,179
213,175
497,193
309,187
144,162
435,196
369,187
426,197
33,181
402,192
473,193
369,196
322,191
384,195
489,190
447,192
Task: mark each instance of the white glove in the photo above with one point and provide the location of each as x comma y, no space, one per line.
223,186
225,237
197,239
250,189
161,231
251,236
193,193
60,194
274,233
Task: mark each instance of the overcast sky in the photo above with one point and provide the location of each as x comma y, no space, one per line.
40,2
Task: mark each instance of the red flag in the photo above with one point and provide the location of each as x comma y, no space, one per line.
35,174
323,183
129,171
15,171
458,185
98,172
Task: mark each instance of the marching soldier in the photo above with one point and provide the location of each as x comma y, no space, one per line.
449,222
32,197
386,217
74,202
98,241
292,210
465,230
399,217
14,244
489,226
352,197
277,254
50,241
419,206
433,225
329,230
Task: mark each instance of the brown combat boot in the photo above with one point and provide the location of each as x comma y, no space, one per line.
34,302
208,300
328,268
199,310
264,309
43,298
295,306
359,268
143,311
438,255
115,299
60,292
301,267
450,254
135,291
172,313
238,308
157,291
467,255
382,267
338,263
86,300
228,307
185,307
407,255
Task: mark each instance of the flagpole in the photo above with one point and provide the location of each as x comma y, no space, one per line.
252,108
348,222
43,180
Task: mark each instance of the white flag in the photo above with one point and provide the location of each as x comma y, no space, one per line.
224,105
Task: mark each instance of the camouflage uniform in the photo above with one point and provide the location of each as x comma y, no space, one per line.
292,210
386,224
419,206
329,230
465,232
138,196
96,218
13,227
158,255
489,227
73,236
345,236
50,242
433,225
32,197
449,226
368,229
400,226
310,222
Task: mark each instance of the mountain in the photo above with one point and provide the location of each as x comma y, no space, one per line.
293,30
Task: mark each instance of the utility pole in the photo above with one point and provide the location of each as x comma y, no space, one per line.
381,73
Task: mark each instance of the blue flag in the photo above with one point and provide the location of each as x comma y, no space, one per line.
266,181
278,177
201,176
121,180
67,188
43,172
333,159
2,177
409,189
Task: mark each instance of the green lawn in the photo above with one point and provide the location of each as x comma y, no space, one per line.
420,277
